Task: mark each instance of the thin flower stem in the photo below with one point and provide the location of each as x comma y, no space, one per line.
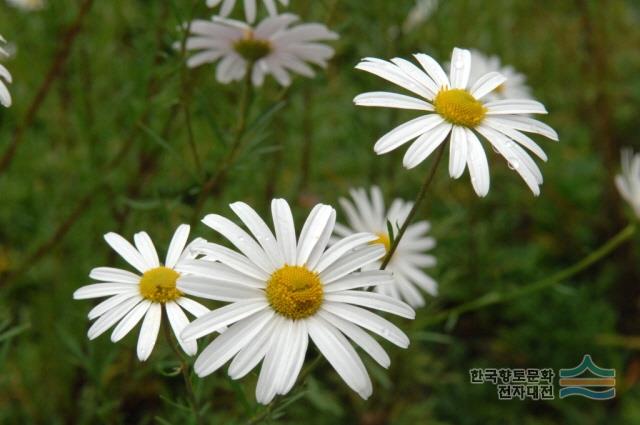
499,297
414,210
184,368
243,114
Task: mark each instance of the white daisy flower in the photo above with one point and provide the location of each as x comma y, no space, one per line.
27,5
249,7
273,47
454,107
284,290
366,214
515,86
5,78
133,296
628,182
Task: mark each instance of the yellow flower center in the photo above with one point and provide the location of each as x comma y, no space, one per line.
159,285
252,48
383,239
459,107
295,292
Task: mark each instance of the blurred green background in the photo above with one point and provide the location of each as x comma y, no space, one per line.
108,150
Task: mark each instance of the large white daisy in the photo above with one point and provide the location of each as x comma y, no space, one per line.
455,107
133,296
366,214
628,182
515,85
284,290
273,47
249,7
5,77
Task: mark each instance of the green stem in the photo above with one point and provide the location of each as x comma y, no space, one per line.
214,181
414,210
498,297
184,368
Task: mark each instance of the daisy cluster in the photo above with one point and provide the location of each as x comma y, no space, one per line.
279,287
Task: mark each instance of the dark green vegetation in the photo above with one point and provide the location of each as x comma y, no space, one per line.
108,150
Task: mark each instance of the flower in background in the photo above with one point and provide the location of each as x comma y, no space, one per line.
419,14
27,4
366,214
5,77
456,108
284,290
628,182
249,7
515,86
133,296
273,47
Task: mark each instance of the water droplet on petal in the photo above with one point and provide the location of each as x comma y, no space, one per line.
513,163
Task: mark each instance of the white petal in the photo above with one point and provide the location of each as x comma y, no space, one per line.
240,239
250,10
457,152
261,231
313,230
340,248
360,280
179,321
219,271
478,166
255,350
110,303
460,68
406,132
145,246
358,336
273,368
110,318
374,301
368,320
130,320
109,274
392,100
285,229
514,106
434,70
223,316
98,290
230,258
193,307
297,344
352,261
226,345
418,76
127,252
341,355
177,244
517,136
217,289
149,331
486,84
528,125
425,145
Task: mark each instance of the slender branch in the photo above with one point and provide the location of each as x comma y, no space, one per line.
184,368
499,297
414,209
54,72
216,179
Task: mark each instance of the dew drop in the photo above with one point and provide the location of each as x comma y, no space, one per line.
514,164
